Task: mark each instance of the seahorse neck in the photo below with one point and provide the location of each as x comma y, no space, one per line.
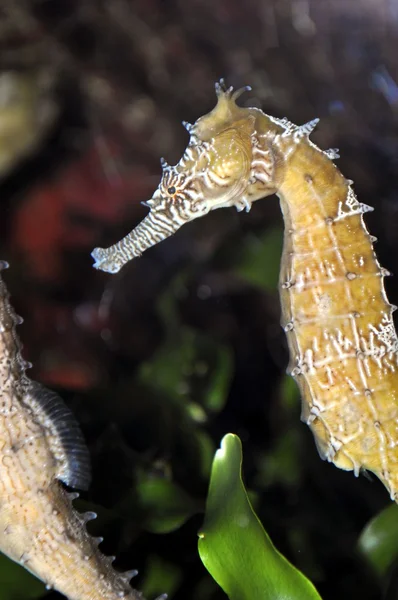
311,188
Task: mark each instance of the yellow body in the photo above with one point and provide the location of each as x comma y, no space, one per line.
342,341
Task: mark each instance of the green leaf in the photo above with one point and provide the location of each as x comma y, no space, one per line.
166,505
160,576
290,397
191,366
282,464
233,545
378,540
166,371
260,259
17,583
218,387
206,452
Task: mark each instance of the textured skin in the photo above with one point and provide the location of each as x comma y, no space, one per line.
342,341
41,444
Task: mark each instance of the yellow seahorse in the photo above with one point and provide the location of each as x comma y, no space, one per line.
342,341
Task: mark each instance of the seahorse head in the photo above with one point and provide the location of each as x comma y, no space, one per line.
215,168
219,168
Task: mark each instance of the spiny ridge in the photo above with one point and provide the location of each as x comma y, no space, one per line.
332,153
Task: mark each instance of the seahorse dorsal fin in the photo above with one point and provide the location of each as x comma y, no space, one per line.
64,435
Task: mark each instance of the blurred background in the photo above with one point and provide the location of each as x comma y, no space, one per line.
184,344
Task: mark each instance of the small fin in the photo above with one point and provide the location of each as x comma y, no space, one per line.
50,411
332,153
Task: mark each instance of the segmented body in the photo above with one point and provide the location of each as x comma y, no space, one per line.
342,341
340,331
40,446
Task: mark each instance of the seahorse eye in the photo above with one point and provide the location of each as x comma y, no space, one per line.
171,190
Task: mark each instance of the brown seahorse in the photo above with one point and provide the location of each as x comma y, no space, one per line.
342,341
41,446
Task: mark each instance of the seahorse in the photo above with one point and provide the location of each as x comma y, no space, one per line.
342,342
41,449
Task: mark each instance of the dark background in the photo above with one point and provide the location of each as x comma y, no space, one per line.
101,89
